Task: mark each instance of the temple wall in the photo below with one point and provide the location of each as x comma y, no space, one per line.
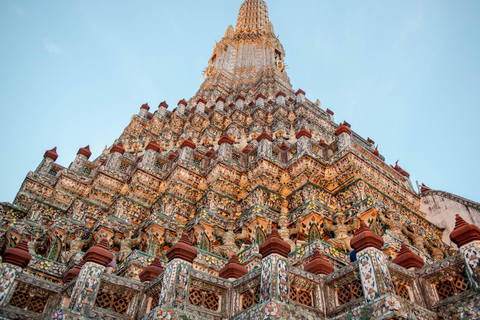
441,207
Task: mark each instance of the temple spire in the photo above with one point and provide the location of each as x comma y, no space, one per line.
248,60
253,19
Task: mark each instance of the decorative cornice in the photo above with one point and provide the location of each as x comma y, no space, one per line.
318,264
85,151
118,148
99,254
233,269
464,232
183,250
225,139
343,128
407,259
300,91
275,245
264,135
303,133
152,271
51,154
18,255
153,146
365,238
188,143
163,104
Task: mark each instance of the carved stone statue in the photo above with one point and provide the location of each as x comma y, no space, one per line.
34,243
284,232
127,243
394,227
76,245
171,240
179,230
229,237
341,241
417,238
40,243
436,250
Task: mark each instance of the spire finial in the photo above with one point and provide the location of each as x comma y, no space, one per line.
253,19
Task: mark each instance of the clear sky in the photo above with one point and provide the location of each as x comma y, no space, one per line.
404,73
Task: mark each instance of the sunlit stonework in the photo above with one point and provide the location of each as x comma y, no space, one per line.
251,199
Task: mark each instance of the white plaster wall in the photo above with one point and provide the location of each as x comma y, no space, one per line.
441,210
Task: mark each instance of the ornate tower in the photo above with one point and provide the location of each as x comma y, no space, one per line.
246,202
248,60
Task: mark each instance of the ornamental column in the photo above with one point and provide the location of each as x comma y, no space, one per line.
300,96
49,158
467,237
344,135
143,113
376,280
82,157
201,106
89,277
186,152
225,148
220,104
162,109
177,274
116,153
274,278
239,102
319,266
14,260
304,144
330,114
260,100
181,107
148,274
280,98
150,156
264,144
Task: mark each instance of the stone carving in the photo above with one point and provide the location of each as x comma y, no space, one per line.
394,227
40,242
284,232
417,238
341,241
171,240
76,244
127,243
435,248
229,237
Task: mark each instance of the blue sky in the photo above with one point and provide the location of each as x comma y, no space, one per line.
404,73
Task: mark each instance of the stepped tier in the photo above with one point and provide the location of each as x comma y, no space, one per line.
237,203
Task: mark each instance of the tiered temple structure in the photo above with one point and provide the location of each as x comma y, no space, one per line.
247,201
